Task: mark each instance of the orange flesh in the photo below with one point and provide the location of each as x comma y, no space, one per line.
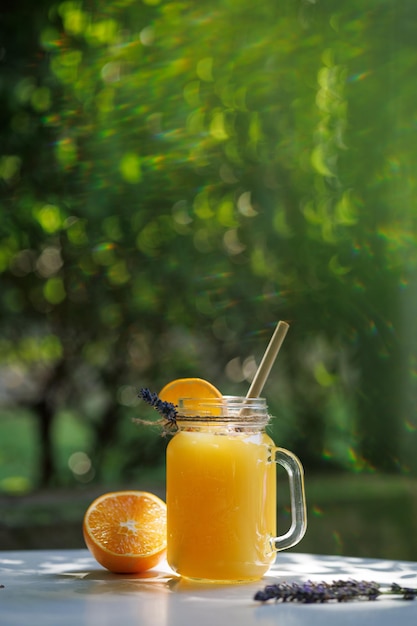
126,531
188,388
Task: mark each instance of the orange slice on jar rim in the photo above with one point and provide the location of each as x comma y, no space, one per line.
194,391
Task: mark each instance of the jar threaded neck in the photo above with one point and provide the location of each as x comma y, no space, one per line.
237,411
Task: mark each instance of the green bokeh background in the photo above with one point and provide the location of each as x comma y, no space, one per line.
176,177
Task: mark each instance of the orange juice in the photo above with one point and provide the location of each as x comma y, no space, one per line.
221,491
221,504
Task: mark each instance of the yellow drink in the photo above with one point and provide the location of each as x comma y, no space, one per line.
221,503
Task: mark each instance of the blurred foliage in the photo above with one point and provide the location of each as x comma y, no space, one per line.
177,176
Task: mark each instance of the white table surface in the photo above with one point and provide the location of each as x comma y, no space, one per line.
68,587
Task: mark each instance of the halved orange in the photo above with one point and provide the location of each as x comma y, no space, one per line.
193,388
125,531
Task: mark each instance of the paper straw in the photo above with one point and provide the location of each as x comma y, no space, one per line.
268,360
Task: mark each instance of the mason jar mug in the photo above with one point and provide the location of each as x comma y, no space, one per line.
222,491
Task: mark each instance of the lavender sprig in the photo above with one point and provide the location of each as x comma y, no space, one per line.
167,410
408,593
340,591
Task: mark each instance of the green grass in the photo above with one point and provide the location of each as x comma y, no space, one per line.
362,515
369,515
18,452
351,515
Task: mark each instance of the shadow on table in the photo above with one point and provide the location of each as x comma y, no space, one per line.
290,566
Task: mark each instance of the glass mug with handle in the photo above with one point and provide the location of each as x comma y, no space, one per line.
221,491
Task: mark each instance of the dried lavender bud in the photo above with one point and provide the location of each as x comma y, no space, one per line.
166,409
340,591
310,592
406,592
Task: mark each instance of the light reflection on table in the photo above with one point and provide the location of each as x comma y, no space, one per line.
67,587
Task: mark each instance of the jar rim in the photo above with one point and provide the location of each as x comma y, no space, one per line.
227,399
236,410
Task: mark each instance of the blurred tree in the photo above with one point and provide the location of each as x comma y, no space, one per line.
178,176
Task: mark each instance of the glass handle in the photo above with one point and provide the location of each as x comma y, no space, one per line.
295,472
